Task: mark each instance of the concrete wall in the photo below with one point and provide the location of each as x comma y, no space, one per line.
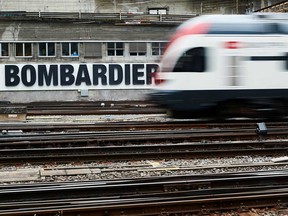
115,6
57,31
22,30
101,6
73,95
45,31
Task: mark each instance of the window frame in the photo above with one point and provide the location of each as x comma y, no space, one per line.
137,51
115,50
1,50
159,48
47,49
24,48
70,49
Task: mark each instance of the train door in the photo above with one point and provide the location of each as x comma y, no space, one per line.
234,73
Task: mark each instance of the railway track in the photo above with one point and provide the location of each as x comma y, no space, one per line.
134,125
92,154
177,142
89,108
59,142
152,196
135,170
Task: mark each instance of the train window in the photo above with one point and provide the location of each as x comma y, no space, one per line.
70,49
138,49
115,49
283,28
92,49
4,49
23,49
158,48
193,60
46,49
243,28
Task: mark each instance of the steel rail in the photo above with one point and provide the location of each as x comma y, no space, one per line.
166,186
88,108
90,146
136,152
183,196
94,142
95,108
103,137
133,125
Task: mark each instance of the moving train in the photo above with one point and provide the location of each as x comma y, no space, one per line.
225,65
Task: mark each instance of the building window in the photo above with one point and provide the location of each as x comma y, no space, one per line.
158,10
46,49
70,49
4,49
138,49
92,49
115,49
158,48
23,49
193,60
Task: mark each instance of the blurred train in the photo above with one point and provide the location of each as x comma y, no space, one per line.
225,65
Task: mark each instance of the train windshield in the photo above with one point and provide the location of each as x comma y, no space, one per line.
193,60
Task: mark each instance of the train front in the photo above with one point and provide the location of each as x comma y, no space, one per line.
172,85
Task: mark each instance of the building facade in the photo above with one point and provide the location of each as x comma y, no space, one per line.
90,50
140,6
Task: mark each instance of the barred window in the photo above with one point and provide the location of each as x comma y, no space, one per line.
4,49
23,49
115,49
158,48
70,49
46,49
138,49
93,49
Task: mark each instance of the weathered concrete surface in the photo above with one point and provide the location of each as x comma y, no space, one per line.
115,6
36,174
93,95
20,175
64,31
68,171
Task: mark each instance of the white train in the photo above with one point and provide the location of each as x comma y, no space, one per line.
226,64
